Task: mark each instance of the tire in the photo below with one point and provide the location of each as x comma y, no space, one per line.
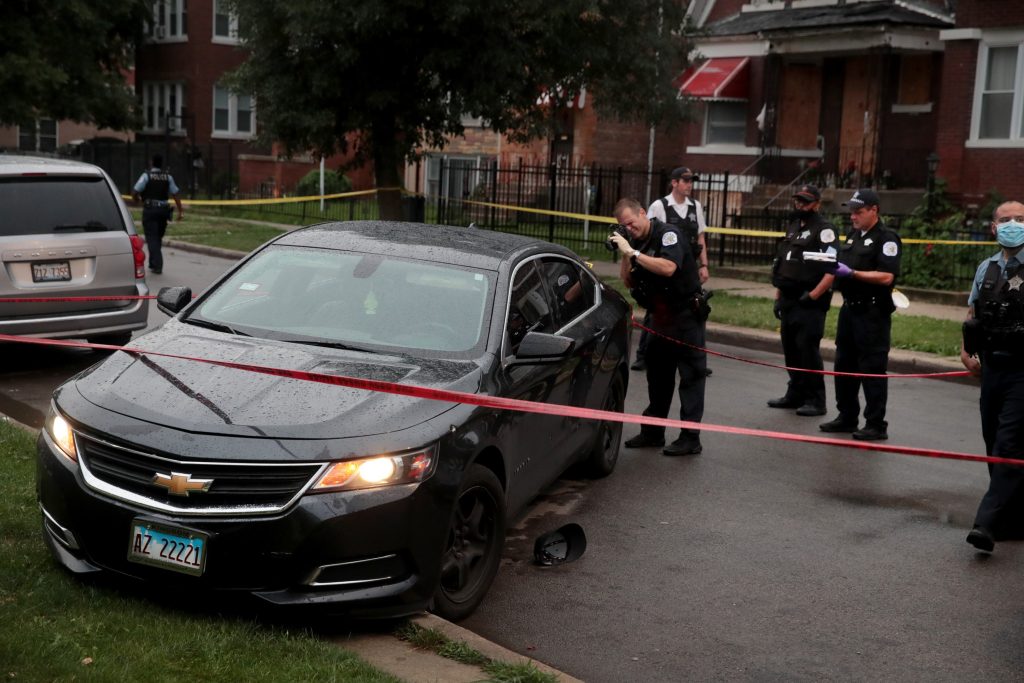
472,553
605,452
116,339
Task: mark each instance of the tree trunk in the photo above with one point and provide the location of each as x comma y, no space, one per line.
386,162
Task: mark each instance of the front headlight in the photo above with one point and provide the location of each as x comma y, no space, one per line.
382,470
62,434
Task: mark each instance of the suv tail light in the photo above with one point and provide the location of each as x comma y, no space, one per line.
140,256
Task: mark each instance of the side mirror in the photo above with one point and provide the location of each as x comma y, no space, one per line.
170,300
538,347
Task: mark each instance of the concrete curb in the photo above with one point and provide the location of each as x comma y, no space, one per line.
390,653
900,361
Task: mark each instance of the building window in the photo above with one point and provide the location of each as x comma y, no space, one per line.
38,136
233,114
161,105
225,23
999,93
169,20
726,123
462,177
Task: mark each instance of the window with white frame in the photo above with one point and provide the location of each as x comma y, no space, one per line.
999,93
725,123
169,20
225,23
162,103
232,114
38,136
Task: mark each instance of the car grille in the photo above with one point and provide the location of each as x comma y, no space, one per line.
236,488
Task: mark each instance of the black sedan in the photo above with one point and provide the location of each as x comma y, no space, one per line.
198,476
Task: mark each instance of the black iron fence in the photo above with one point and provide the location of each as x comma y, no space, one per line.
209,170
468,193
482,194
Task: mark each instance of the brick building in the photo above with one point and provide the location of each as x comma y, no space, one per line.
209,131
849,87
980,139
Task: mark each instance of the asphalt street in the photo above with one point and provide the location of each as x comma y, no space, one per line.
757,560
771,560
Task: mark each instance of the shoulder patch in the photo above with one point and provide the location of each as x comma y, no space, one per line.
890,249
669,238
827,236
562,279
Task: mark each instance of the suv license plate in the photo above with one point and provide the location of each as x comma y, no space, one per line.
168,547
53,271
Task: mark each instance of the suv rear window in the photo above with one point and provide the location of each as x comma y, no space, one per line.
41,205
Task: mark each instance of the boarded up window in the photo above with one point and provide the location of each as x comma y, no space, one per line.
915,79
799,106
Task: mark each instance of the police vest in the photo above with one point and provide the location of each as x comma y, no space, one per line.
158,185
1000,309
687,224
673,292
790,271
864,252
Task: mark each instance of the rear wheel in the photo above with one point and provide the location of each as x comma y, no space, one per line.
476,536
116,339
605,453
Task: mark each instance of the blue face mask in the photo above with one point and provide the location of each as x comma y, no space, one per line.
1010,234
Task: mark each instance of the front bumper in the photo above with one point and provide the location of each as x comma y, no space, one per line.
369,553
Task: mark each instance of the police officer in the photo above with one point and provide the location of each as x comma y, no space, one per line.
153,188
802,299
866,273
662,274
679,210
994,348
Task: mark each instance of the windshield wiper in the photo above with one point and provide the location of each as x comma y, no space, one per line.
327,344
220,327
91,226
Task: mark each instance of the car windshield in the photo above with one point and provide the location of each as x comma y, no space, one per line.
354,300
38,205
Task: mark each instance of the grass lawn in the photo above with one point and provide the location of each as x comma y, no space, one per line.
913,333
54,627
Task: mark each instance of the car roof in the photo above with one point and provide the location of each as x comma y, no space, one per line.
472,247
14,164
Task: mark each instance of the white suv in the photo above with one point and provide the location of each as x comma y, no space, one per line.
65,232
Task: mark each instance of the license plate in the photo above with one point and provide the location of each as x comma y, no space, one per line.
168,547
52,271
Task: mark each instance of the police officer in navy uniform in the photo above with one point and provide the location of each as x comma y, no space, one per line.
994,348
662,274
686,214
802,298
866,272
154,187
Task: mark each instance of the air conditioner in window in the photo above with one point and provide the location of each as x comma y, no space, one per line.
161,32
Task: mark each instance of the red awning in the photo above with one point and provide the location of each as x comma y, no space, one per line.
718,77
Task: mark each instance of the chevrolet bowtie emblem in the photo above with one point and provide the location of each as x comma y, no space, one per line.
179,484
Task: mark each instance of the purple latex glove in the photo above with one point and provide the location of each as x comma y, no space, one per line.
843,270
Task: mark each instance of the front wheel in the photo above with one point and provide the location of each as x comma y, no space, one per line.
605,453
476,536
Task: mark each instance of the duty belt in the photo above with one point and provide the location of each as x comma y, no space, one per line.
864,303
155,203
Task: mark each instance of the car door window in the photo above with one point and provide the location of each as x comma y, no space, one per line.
572,289
530,309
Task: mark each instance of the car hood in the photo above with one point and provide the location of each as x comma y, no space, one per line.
200,397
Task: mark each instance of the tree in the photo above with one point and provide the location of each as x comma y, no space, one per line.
388,78
66,59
